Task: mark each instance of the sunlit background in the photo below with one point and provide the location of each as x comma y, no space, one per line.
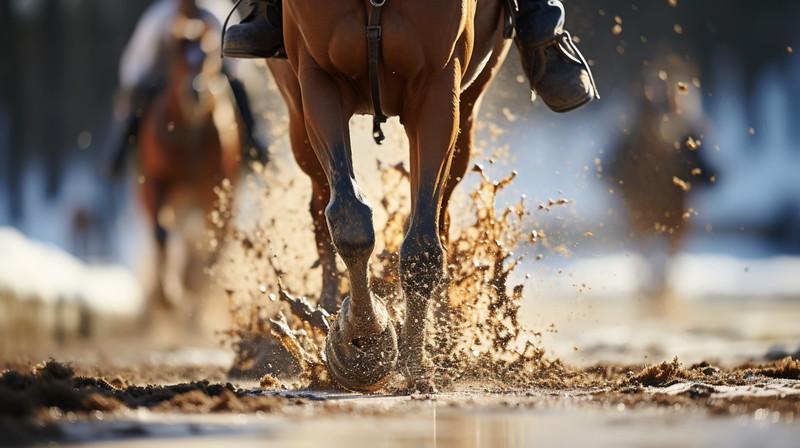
711,84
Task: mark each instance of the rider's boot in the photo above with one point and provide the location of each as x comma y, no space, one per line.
259,35
557,71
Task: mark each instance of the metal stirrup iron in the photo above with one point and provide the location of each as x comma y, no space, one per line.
373,54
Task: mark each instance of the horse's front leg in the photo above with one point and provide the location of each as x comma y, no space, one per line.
432,130
361,346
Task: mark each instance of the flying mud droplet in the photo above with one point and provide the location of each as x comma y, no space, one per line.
680,183
692,143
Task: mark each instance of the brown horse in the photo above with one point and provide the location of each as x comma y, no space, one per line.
437,58
655,167
189,141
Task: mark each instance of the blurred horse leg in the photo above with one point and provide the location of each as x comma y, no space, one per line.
153,196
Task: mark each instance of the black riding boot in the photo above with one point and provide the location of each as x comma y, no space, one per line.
555,68
259,35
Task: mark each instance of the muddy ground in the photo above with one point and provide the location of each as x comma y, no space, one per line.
74,403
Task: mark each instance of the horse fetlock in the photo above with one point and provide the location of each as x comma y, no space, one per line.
350,223
360,322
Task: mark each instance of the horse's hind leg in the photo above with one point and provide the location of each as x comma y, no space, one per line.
320,194
432,130
320,190
469,104
361,345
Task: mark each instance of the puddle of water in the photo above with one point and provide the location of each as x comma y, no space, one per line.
435,427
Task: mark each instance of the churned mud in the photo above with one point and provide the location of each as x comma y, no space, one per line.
475,333
36,401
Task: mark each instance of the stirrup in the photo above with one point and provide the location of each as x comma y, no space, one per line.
563,42
560,76
279,52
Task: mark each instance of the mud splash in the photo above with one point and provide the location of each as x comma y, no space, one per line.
482,356
475,338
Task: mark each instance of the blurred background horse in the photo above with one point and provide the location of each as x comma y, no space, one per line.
190,134
655,166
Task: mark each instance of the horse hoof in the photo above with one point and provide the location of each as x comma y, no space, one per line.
364,364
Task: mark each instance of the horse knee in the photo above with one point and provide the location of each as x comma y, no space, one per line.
350,224
421,263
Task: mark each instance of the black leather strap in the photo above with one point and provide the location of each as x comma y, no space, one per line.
373,55
509,18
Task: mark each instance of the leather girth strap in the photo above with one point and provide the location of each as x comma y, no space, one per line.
374,54
509,18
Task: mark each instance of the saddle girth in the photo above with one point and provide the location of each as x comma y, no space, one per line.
373,58
509,18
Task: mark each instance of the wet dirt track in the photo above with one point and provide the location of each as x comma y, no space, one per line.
700,405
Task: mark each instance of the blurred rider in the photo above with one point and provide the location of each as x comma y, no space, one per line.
142,69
